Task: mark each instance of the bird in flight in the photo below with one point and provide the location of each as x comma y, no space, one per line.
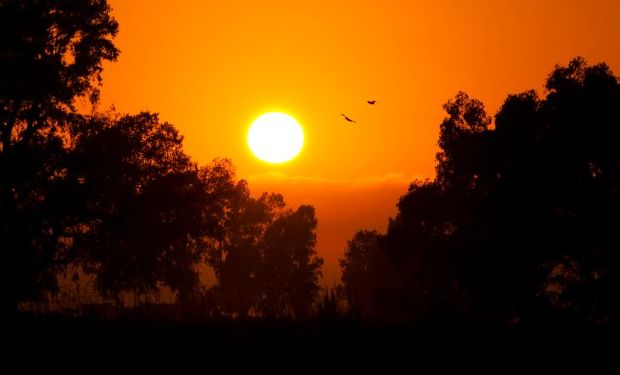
371,102
348,119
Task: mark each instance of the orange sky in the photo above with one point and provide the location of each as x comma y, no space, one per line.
211,67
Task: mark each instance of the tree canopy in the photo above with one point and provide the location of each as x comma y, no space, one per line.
518,225
266,260
116,194
51,54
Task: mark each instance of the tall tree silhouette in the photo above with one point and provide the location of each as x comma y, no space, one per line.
236,254
265,260
146,207
290,269
116,194
364,270
51,53
519,224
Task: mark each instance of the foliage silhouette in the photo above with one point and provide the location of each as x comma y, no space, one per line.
518,226
363,272
115,196
266,260
147,207
235,254
51,54
290,269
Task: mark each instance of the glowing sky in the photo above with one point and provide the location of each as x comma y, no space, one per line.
211,67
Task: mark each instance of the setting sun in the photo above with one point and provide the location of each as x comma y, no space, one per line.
257,177
275,137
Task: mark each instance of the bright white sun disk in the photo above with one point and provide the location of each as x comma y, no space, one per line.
275,137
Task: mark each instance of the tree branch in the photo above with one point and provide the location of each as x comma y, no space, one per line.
31,127
8,128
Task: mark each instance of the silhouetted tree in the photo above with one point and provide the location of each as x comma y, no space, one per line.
290,268
519,224
418,244
117,194
51,54
236,254
462,138
364,268
265,260
147,208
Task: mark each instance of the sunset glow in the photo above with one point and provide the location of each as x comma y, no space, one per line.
228,62
275,137
289,178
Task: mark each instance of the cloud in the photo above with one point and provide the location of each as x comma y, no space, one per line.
372,181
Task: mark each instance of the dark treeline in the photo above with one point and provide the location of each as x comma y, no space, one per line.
519,227
115,198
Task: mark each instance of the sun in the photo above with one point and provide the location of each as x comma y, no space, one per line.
275,137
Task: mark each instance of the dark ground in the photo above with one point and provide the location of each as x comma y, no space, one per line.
309,343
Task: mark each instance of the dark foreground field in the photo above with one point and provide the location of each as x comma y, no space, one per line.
313,341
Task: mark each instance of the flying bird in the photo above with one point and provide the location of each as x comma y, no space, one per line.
371,102
348,119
